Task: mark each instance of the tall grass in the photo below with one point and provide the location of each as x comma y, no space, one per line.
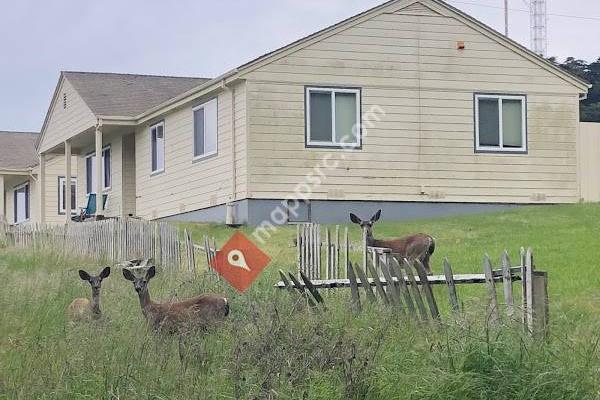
273,346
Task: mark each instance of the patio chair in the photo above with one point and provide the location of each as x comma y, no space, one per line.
90,210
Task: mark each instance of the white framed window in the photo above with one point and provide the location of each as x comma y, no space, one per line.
157,139
21,203
90,171
333,117
205,129
61,195
500,123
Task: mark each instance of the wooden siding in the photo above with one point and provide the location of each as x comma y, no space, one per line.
66,123
422,147
188,185
589,161
128,189
55,167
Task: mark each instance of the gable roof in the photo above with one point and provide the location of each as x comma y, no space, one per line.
17,150
396,5
127,95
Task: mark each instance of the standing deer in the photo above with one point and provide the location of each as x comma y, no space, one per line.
413,247
81,308
198,311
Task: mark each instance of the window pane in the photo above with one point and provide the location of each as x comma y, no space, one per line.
320,116
73,195
106,167
159,148
199,132
62,194
90,170
21,204
210,126
153,138
512,123
488,122
345,118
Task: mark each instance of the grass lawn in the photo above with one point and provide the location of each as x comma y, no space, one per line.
272,348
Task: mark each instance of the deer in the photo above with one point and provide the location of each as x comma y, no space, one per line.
198,311
81,308
413,247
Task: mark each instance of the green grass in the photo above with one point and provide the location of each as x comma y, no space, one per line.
272,347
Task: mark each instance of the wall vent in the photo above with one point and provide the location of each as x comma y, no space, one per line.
64,101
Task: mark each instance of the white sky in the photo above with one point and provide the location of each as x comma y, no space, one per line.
204,38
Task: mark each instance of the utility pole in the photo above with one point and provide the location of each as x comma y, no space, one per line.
506,18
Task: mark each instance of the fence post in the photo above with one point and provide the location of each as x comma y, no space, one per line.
489,282
507,282
451,286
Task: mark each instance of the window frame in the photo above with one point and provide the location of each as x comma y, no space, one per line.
27,202
155,125
216,150
500,148
332,145
61,210
104,187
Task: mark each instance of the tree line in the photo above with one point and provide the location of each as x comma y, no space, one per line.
590,107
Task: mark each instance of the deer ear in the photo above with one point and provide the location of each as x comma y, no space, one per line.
84,275
375,217
355,219
150,273
127,274
105,273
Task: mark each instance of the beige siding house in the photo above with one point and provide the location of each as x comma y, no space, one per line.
412,106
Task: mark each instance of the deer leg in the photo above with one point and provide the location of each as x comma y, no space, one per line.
425,261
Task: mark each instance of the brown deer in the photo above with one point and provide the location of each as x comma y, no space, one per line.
413,247
198,311
80,308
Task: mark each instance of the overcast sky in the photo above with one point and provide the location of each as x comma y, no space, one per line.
203,38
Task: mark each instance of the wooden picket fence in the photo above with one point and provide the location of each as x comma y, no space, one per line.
319,256
405,286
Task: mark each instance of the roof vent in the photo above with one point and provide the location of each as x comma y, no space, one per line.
64,101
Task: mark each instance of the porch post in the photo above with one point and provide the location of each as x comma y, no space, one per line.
99,172
67,181
42,188
2,207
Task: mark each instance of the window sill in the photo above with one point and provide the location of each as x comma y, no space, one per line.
204,157
336,146
157,172
498,150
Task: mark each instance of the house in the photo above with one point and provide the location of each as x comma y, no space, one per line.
412,106
17,159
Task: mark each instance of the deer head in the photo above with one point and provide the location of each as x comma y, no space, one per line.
95,281
366,226
140,283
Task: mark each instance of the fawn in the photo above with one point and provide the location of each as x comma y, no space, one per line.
197,311
413,247
81,308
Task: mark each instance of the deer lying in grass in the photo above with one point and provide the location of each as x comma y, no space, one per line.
198,311
414,247
80,308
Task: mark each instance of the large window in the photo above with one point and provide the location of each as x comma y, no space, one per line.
157,137
90,171
205,129
333,117
62,204
21,203
500,123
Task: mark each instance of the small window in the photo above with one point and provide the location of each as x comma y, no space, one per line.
157,137
333,117
21,203
61,195
205,129
90,171
500,123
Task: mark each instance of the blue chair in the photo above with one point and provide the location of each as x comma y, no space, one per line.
90,209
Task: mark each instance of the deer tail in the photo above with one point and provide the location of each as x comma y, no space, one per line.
226,308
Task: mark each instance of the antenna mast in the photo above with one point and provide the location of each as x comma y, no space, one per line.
539,21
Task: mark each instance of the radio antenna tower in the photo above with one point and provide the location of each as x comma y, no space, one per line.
539,21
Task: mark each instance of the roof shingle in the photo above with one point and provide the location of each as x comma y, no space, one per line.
127,95
17,150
